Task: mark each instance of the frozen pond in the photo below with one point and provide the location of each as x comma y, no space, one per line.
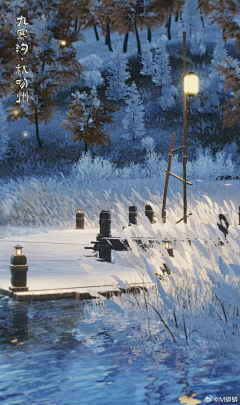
74,352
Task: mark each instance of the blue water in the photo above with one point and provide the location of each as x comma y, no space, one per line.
70,352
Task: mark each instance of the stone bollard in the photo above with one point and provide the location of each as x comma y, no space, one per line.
105,231
132,215
80,219
105,225
150,214
105,250
18,268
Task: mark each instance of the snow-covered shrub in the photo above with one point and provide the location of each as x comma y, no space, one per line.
92,76
167,98
197,47
88,170
148,143
209,168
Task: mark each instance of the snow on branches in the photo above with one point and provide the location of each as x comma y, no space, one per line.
118,75
86,117
133,121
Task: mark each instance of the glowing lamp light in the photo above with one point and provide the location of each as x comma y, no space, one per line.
79,210
190,84
15,112
63,43
25,133
18,250
166,243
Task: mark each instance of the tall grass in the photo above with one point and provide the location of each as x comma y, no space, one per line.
199,295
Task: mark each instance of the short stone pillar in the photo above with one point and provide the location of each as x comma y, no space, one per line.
18,268
132,215
105,225
150,214
80,219
105,231
105,250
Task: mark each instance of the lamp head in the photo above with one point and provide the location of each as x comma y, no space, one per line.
18,250
166,243
190,84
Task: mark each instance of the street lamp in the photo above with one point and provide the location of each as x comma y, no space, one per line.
190,84
190,87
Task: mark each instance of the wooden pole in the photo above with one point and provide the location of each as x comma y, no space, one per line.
166,182
184,136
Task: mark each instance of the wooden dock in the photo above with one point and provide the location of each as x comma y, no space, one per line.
54,267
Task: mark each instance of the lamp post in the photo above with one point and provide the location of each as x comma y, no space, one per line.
190,88
166,245
18,269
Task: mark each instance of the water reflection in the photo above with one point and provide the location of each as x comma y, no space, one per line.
188,399
19,324
99,357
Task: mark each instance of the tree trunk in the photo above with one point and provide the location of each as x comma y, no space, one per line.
149,38
224,37
106,39
125,43
85,148
176,18
96,33
138,40
43,61
37,131
109,39
169,28
136,32
76,24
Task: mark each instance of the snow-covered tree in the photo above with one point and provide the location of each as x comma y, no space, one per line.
162,68
219,53
191,18
213,85
86,117
197,46
147,61
49,66
4,136
226,15
92,76
118,75
133,121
